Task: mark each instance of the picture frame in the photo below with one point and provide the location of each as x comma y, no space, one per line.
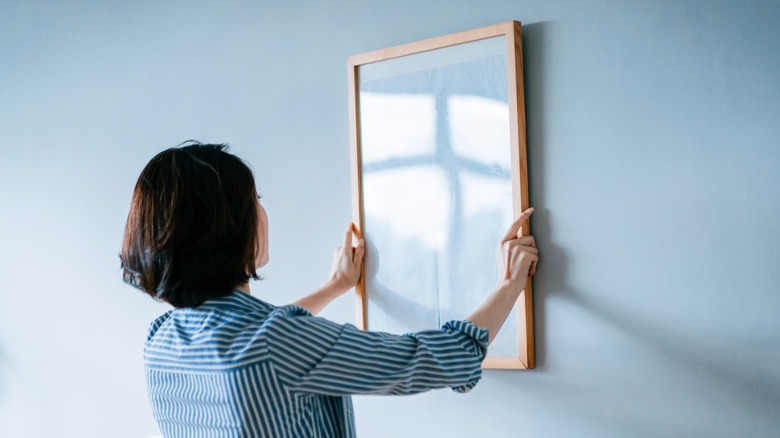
432,189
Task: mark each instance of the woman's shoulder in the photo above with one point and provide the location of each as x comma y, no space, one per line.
157,323
220,334
237,312
290,311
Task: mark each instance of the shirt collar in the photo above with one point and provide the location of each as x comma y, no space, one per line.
237,299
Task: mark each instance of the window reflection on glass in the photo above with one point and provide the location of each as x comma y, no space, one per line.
401,126
436,185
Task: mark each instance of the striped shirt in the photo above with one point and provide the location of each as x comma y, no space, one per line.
239,367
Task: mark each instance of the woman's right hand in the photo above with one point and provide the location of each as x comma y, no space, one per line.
517,254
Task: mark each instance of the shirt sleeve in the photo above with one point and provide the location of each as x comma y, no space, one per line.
314,355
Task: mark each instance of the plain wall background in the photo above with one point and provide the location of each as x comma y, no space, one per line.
654,154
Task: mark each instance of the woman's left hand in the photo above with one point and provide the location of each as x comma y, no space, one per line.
347,261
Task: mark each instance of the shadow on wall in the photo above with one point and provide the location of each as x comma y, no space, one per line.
3,360
749,388
535,41
13,378
752,389
5,368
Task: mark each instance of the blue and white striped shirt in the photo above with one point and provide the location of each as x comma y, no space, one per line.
239,367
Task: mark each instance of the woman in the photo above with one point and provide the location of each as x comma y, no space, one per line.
223,363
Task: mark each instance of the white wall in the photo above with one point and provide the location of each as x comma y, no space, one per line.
652,130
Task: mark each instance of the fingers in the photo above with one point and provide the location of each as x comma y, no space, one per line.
351,229
515,247
354,228
527,241
519,249
514,229
359,251
348,238
355,253
530,256
518,255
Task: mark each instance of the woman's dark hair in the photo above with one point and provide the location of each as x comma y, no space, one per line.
191,233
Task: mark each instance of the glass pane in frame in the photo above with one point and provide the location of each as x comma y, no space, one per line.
438,175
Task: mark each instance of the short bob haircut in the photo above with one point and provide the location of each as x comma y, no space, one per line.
191,233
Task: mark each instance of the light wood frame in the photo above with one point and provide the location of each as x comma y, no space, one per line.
512,31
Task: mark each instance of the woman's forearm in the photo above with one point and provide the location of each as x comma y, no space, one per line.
322,296
494,310
517,259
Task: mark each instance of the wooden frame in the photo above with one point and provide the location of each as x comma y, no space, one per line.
519,171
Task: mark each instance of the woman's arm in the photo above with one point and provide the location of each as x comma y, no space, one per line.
322,296
517,259
345,273
314,355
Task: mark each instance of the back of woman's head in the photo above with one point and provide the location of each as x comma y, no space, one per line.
191,233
